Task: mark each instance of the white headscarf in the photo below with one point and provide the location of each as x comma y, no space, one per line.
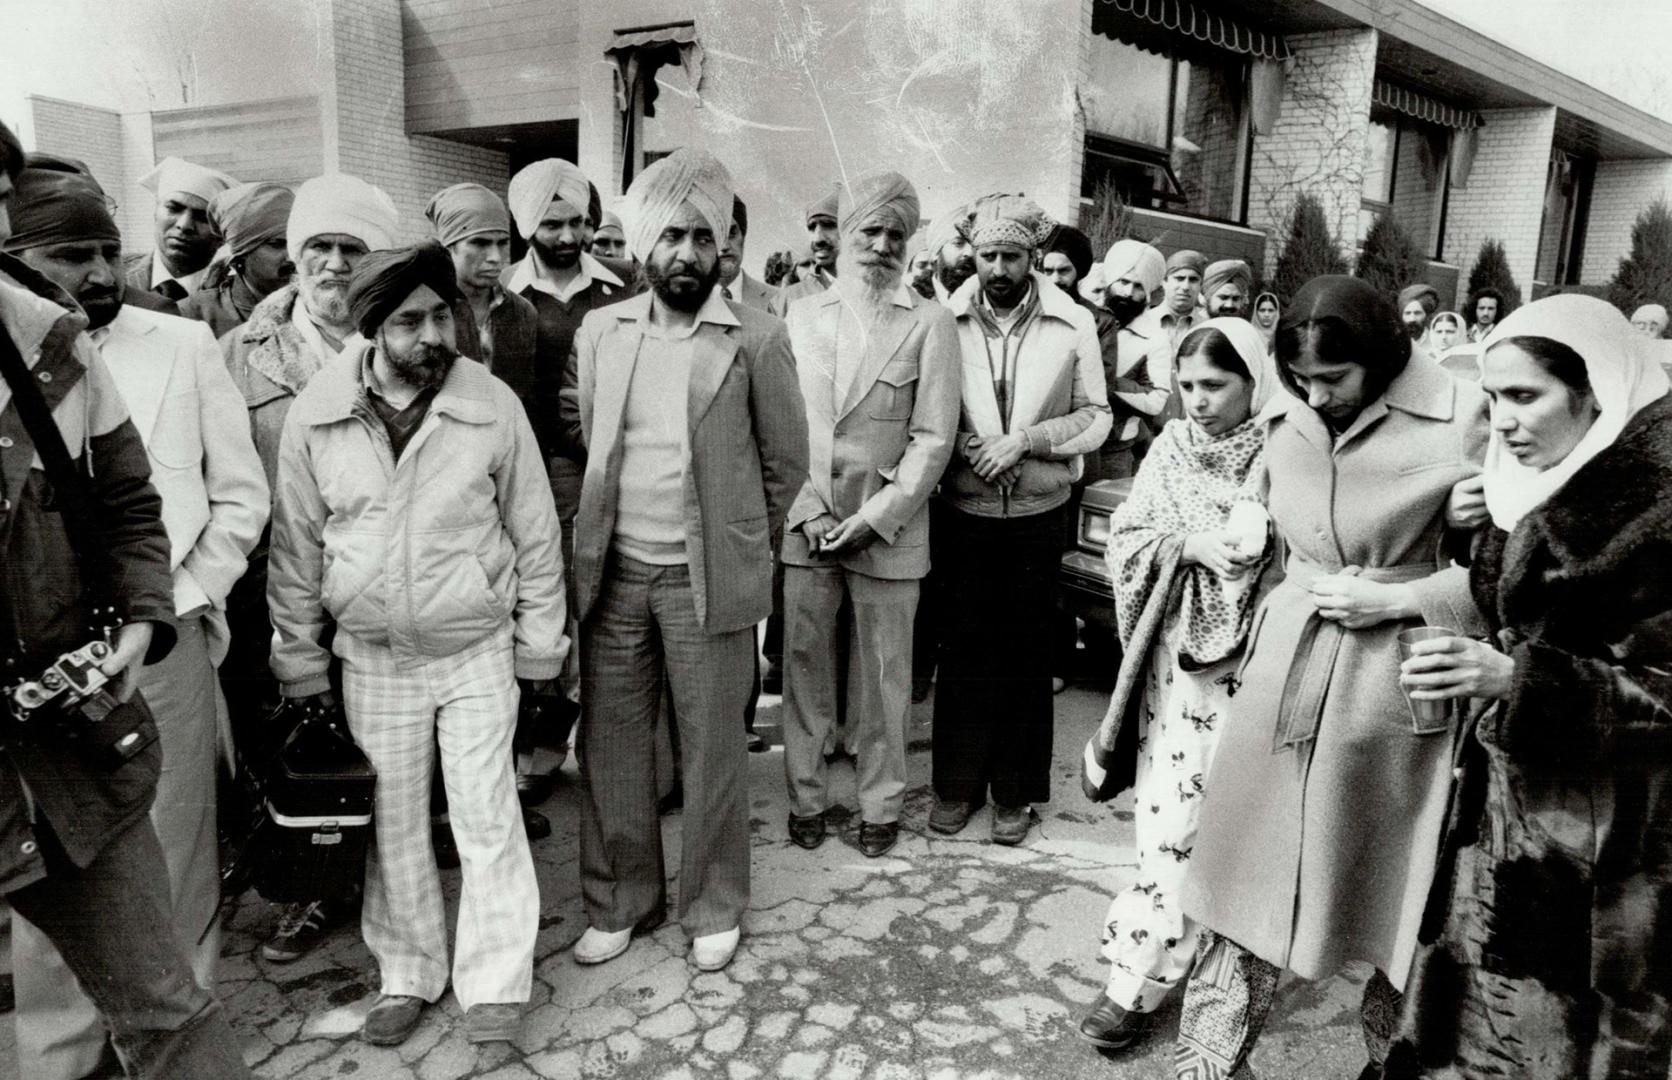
1250,345
1624,379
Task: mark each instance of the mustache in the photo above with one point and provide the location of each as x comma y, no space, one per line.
822,245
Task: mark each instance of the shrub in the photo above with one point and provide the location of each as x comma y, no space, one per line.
1491,271
1309,252
1389,260
1645,275
1107,220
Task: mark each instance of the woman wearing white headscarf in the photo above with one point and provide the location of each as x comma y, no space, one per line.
1546,942
1186,581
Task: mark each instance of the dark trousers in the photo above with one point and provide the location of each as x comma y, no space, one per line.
642,630
993,710
111,923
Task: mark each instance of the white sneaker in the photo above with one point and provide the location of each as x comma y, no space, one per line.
597,946
711,952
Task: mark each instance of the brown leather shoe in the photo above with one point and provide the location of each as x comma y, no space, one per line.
876,840
807,832
1010,824
950,817
392,1020
1110,1027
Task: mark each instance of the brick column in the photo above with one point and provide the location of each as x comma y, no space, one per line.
1504,200
363,114
1623,189
1321,139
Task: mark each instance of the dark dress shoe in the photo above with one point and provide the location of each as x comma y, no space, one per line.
807,832
920,688
754,743
772,681
1110,1027
950,817
534,788
537,825
875,840
673,800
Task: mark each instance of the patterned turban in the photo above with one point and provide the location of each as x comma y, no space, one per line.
1010,219
657,193
466,210
340,204
1225,271
1137,261
250,215
881,190
174,174
384,279
535,186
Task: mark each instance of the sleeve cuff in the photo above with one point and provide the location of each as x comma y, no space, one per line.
538,670
316,684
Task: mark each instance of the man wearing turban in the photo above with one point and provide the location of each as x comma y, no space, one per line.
334,222
1137,357
608,239
1417,305
823,244
250,219
948,236
697,444
414,515
1228,289
185,237
1650,321
879,369
189,415
1033,404
104,899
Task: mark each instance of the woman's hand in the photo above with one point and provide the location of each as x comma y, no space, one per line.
1456,667
1218,552
1356,602
1000,454
1466,508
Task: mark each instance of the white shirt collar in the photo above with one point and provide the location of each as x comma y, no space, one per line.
160,274
591,270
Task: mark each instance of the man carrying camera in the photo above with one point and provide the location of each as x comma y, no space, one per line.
78,855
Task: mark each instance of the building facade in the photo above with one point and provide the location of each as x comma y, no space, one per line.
1207,117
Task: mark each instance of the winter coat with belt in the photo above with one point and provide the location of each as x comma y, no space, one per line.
1318,845
43,612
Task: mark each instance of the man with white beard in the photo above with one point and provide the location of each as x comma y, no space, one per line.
880,373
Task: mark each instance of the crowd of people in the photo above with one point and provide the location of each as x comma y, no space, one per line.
1392,680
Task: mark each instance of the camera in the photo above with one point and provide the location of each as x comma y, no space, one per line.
67,682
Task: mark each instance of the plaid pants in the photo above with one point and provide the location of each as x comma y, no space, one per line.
399,713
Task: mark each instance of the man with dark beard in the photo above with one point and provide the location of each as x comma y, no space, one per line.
880,374
1137,358
413,514
1417,305
949,239
691,410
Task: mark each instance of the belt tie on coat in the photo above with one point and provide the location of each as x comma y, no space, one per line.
1315,643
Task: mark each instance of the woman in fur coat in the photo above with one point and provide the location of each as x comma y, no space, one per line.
1548,946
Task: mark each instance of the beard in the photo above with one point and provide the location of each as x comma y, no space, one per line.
556,256
954,274
878,273
1415,330
1125,308
682,286
325,298
101,305
422,366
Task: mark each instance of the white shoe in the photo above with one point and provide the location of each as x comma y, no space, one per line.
597,946
711,952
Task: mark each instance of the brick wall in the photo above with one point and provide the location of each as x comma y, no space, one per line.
1504,198
81,131
1320,141
1623,189
363,107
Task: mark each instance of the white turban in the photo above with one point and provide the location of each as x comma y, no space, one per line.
693,176
535,186
174,174
1137,261
341,204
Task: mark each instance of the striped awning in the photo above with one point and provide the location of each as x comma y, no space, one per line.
1208,27
1423,107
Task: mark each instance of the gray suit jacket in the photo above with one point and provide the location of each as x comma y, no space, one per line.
748,454
881,451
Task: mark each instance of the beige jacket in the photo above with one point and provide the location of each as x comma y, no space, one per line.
427,556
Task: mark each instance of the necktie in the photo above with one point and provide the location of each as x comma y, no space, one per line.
725,291
171,289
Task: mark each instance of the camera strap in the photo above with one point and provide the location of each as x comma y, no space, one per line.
74,495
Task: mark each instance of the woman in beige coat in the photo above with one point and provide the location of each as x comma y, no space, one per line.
1318,845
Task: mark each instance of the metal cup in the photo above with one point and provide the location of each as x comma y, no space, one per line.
1427,717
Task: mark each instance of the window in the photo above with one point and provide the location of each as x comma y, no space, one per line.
1406,171
658,73
1381,158
1561,238
1171,133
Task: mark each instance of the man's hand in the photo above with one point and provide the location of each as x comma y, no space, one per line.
972,448
127,653
1466,508
850,535
817,531
1357,603
1456,667
1000,454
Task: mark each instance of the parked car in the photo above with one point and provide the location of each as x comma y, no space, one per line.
1086,589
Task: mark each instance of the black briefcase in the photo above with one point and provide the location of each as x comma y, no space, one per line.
318,801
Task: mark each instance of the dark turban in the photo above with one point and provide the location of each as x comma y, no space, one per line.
466,210
11,153
57,201
250,215
1421,291
740,215
1076,245
1186,260
384,279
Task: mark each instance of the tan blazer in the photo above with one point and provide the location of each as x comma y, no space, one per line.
748,452
881,451
191,417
